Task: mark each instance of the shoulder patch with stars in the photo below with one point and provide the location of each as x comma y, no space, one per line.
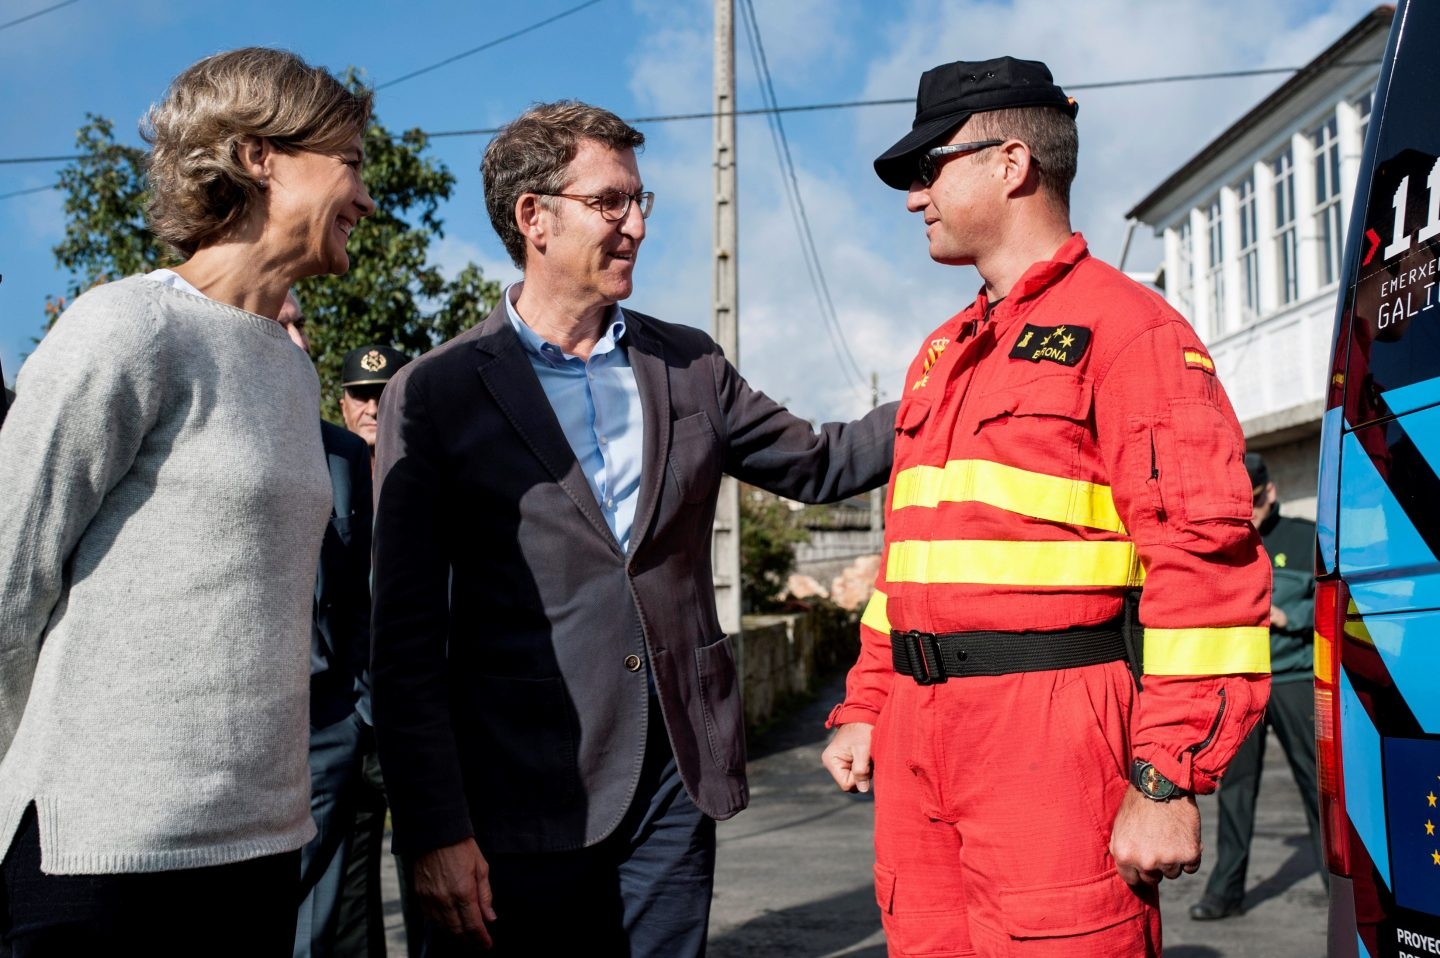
1196,359
1057,344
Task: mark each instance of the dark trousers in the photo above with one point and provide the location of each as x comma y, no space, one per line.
245,909
341,915
644,892
1291,713
360,918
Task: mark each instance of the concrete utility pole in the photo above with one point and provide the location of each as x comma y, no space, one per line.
877,496
726,548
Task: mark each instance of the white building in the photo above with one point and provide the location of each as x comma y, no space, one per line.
1253,227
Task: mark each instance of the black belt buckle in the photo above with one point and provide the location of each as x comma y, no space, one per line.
924,652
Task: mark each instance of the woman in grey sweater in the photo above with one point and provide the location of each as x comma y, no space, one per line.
163,494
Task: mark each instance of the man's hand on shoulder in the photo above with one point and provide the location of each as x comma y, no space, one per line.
453,884
1154,840
847,757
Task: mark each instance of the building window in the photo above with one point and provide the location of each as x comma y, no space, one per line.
1185,280
1286,258
1329,232
1363,106
1249,248
1215,265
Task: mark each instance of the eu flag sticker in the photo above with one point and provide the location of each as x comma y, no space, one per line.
1412,804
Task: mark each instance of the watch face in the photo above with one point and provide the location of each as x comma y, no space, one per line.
1153,784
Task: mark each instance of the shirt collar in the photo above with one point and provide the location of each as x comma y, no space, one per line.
536,345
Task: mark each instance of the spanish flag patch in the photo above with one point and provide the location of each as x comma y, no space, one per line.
1195,359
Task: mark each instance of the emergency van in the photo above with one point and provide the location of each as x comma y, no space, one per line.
1377,643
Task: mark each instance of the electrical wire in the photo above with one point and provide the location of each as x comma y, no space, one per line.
799,108
794,199
806,107
485,46
33,189
38,13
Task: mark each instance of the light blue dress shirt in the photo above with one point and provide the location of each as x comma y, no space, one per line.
598,405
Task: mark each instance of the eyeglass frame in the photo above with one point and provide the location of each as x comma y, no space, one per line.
645,199
928,158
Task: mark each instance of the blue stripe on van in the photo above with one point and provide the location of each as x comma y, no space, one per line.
1408,647
1378,540
1412,397
1360,760
1328,488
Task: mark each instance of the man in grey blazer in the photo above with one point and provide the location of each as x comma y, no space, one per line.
557,710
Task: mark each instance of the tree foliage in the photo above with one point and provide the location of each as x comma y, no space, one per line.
769,532
106,236
394,293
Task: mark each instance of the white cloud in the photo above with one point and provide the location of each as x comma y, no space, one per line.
887,292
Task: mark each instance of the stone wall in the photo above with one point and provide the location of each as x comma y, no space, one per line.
780,657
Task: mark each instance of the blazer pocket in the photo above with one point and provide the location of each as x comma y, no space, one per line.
720,701
694,457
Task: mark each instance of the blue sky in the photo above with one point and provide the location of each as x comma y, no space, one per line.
654,57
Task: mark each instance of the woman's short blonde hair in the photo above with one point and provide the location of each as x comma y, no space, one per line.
199,187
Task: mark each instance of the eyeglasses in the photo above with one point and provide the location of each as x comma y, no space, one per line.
613,205
929,169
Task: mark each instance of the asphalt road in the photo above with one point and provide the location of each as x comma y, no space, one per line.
793,878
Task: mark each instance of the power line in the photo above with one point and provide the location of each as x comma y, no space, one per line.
484,46
37,13
906,101
33,189
795,200
44,159
807,107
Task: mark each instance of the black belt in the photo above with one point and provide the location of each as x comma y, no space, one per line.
929,658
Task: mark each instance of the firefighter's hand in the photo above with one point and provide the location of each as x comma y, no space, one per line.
453,884
847,757
1154,840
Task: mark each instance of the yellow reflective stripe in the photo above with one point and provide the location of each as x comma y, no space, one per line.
984,562
1226,651
1020,491
875,617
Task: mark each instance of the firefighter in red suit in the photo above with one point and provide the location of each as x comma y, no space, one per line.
1061,443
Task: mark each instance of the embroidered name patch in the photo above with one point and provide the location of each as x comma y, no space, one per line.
1195,359
1057,344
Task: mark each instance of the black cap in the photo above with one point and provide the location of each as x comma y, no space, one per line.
949,94
371,365
1259,475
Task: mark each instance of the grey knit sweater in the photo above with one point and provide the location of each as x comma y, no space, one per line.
163,493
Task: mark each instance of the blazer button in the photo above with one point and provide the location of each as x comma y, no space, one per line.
633,663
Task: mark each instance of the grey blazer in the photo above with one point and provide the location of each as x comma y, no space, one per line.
512,636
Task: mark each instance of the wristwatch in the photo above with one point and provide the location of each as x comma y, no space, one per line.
1154,786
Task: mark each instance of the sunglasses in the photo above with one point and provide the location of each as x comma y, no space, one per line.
929,168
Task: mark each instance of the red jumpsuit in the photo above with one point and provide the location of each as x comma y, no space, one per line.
1076,445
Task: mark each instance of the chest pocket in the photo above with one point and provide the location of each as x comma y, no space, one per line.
694,457
1043,419
913,411
1062,397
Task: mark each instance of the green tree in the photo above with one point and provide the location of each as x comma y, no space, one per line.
393,294
105,232
769,532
